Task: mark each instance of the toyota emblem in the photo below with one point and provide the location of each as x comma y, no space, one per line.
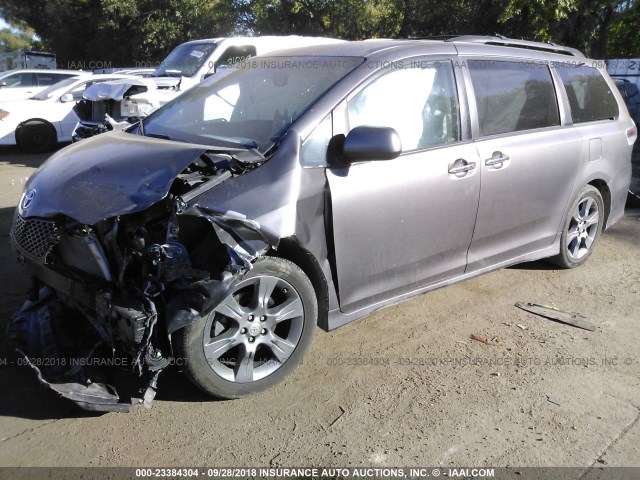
27,200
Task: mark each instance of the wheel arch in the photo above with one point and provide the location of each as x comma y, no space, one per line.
291,250
37,119
603,188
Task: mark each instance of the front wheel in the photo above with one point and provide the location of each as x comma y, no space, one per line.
256,336
582,229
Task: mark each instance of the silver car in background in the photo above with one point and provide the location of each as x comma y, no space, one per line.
307,188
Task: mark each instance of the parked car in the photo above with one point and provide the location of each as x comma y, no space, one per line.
138,72
21,84
186,66
38,123
631,97
310,187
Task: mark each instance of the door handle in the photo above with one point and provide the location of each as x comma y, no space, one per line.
467,167
497,159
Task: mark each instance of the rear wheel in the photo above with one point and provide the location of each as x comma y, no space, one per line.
256,336
582,229
36,136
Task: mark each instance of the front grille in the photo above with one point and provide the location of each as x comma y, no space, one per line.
35,236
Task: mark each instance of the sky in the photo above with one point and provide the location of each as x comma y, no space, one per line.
3,23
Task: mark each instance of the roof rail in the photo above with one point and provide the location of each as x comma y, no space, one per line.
510,42
432,37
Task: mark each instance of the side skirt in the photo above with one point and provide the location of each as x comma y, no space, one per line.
338,318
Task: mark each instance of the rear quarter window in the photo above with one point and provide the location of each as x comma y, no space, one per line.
589,95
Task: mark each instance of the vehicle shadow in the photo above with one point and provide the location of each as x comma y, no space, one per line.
540,265
620,231
22,396
15,156
627,231
174,386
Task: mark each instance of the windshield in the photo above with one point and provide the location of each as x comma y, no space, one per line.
252,105
53,89
185,60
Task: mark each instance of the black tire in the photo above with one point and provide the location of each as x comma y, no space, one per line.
36,136
234,332
581,229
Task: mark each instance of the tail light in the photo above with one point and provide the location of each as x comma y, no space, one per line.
632,134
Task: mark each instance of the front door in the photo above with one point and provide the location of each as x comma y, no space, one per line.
404,223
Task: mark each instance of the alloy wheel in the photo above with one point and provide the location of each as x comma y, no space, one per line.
254,330
583,228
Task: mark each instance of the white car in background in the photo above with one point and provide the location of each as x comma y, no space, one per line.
21,84
38,123
186,66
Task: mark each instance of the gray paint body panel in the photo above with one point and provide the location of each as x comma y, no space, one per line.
402,223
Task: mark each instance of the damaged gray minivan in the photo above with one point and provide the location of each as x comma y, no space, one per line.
309,188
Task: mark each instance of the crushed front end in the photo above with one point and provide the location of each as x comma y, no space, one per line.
107,294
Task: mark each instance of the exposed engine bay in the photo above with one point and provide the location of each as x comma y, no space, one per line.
110,294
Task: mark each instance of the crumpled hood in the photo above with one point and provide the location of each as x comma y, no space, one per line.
115,90
107,175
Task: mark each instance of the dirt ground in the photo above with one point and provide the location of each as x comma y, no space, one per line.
406,386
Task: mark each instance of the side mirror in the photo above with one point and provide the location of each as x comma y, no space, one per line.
371,143
3,84
67,97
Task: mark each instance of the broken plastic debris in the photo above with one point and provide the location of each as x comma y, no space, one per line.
479,338
552,400
95,397
553,313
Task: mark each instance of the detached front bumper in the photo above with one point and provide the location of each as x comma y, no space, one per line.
37,331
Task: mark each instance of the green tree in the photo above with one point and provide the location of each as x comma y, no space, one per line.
18,36
601,28
127,31
348,19
120,32
624,36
